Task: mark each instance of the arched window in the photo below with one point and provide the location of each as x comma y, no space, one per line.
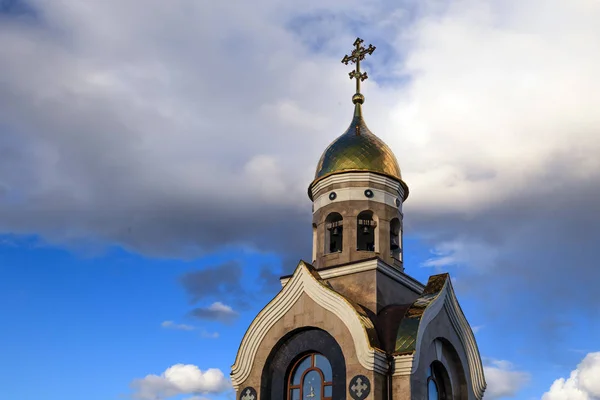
395,239
365,235
438,383
277,379
311,378
334,233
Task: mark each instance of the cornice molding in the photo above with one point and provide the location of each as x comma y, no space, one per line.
368,265
403,364
303,281
356,193
357,177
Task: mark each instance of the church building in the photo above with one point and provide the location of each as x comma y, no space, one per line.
352,324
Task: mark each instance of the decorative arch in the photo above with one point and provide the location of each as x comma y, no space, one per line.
277,380
446,299
454,370
305,281
438,295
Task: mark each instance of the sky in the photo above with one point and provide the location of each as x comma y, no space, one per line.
155,159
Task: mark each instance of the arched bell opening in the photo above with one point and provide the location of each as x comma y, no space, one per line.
395,239
366,232
314,247
334,233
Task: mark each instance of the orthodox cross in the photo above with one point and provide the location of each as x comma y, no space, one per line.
356,56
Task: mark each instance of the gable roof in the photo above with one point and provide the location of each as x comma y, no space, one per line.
306,280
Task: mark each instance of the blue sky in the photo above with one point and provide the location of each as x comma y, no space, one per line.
154,164
75,322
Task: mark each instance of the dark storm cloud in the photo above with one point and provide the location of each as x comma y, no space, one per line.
211,282
531,265
227,282
102,143
269,278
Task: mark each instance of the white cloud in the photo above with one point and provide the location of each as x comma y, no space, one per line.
481,104
582,384
462,252
502,380
217,311
217,306
172,325
203,332
477,328
180,379
209,335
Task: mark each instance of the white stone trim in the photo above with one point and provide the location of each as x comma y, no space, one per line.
304,282
403,364
356,193
446,299
467,338
369,265
358,177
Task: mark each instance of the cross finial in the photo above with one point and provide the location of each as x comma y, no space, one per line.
356,56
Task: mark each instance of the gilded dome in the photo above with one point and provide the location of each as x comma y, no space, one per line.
358,150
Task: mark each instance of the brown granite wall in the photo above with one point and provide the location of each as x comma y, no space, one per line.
372,290
360,287
401,388
391,292
306,313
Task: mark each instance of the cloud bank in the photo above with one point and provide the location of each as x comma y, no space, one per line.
217,311
180,379
582,384
502,380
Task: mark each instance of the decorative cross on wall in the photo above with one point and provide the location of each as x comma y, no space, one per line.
360,387
248,394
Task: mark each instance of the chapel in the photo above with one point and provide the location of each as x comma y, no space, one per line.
352,323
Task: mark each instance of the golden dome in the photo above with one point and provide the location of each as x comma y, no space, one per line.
358,150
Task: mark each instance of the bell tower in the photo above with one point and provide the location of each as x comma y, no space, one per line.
357,192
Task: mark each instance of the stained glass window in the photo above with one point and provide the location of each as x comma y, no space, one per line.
311,379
